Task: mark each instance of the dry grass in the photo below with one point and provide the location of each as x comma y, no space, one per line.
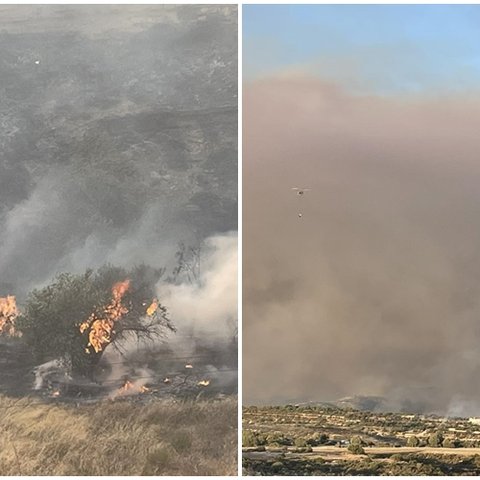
118,438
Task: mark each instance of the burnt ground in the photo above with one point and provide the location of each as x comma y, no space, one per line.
16,364
150,375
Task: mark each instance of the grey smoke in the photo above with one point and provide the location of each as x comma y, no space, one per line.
376,289
119,136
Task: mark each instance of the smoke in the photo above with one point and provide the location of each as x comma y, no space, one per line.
120,136
205,310
50,372
375,290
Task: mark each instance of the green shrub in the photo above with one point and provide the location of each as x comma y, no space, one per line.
435,439
300,442
449,443
413,441
277,438
317,439
356,449
252,439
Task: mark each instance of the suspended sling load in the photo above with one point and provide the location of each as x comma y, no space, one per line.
300,192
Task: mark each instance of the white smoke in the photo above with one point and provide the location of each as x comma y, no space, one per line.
206,310
50,372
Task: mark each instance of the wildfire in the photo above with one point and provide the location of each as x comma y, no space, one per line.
204,383
130,388
152,308
188,365
101,327
8,315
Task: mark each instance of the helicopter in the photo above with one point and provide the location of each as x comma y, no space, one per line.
300,191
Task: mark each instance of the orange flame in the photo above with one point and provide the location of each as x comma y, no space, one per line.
130,388
101,328
8,315
152,308
204,383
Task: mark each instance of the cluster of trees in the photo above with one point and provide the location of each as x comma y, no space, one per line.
252,438
435,439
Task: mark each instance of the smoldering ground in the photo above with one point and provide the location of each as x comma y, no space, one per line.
119,133
375,289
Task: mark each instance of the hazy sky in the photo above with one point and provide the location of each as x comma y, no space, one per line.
373,48
376,289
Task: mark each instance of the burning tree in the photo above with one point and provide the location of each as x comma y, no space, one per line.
78,316
8,315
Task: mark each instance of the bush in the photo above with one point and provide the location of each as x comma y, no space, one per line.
252,439
356,449
277,438
317,439
435,439
357,440
300,442
413,441
449,443
249,438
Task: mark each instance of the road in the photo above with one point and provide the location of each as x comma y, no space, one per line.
333,453
328,450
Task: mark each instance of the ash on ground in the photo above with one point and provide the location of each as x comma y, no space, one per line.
142,376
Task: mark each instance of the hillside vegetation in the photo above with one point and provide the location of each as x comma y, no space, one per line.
327,440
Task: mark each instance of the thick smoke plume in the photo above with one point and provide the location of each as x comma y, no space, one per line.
119,143
119,136
375,290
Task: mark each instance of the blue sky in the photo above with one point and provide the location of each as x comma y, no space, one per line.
367,48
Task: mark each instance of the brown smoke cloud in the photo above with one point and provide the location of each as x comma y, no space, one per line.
376,289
